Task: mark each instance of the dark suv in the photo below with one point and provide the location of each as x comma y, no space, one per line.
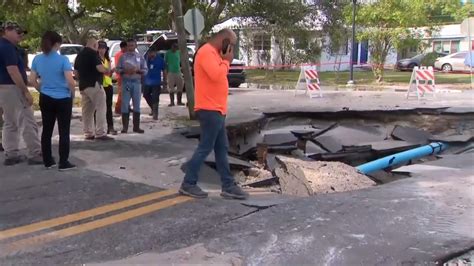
163,43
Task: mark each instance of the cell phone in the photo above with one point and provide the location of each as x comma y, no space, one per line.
225,45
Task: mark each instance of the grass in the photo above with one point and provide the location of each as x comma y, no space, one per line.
391,77
35,94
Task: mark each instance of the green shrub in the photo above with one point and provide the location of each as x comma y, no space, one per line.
429,59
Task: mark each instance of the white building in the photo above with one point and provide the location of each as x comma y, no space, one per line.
256,46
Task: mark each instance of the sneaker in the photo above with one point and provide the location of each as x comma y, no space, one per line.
181,104
66,166
171,105
13,160
50,164
37,160
112,131
234,192
192,191
90,137
105,138
138,130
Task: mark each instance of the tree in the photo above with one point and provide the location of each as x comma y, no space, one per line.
331,18
389,24
288,22
77,23
179,22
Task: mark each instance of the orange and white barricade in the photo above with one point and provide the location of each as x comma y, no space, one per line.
309,81
422,82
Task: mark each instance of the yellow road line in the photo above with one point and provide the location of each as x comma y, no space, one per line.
82,215
14,247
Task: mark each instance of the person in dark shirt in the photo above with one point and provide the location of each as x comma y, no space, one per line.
152,84
90,71
16,100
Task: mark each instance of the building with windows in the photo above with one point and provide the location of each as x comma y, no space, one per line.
259,48
450,39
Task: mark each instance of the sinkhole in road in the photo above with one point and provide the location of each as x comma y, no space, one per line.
305,153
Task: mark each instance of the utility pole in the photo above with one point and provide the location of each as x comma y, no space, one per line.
471,47
351,81
188,79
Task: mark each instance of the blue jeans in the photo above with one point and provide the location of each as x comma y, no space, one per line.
152,94
131,89
213,137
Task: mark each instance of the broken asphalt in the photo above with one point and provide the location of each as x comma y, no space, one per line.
419,220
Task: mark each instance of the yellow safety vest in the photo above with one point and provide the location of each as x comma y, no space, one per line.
107,79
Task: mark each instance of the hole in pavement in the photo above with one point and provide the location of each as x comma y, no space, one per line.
324,152
462,258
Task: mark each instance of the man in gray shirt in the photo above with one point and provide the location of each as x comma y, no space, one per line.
132,66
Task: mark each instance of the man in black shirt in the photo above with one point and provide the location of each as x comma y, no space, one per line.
89,70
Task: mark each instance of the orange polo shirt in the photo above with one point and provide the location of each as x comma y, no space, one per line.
117,59
210,80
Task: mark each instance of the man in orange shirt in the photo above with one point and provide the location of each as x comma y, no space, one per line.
123,49
211,90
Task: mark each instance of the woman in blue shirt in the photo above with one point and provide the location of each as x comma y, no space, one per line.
51,75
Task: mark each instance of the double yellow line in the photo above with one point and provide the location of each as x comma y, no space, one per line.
33,241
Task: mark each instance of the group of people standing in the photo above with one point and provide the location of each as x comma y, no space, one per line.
53,77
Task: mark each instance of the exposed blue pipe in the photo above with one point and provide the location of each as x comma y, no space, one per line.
398,158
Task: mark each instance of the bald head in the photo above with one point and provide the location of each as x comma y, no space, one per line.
216,39
225,33
92,43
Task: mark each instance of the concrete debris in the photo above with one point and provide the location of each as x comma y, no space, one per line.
279,139
301,178
390,146
323,128
271,162
302,134
410,134
467,149
313,148
300,155
349,157
282,149
259,173
347,135
453,138
259,178
235,163
466,259
246,143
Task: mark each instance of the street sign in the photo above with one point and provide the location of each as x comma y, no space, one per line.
194,22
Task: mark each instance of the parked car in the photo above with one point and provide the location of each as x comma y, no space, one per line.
410,63
70,51
452,62
163,43
114,47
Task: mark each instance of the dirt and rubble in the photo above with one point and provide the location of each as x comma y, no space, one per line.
311,153
306,178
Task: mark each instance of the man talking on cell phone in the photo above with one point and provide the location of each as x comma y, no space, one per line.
211,89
